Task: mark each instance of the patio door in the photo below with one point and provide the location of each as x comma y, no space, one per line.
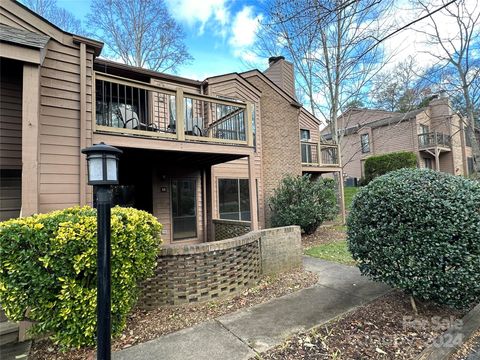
184,216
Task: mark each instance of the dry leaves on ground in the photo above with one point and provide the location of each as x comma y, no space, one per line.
383,329
146,325
468,348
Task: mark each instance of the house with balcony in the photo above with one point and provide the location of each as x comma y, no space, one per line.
434,133
203,156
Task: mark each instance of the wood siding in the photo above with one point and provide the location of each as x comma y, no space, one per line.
239,168
60,126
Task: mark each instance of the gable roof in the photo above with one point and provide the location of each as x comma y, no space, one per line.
256,72
394,119
27,20
22,37
217,79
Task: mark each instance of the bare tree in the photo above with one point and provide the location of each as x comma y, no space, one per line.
60,17
327,42
140,33
457,53
400,88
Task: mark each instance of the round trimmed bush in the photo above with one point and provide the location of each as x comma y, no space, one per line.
305,202
419,230
48,269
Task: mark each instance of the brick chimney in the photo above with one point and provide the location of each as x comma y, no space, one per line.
441,106
281,73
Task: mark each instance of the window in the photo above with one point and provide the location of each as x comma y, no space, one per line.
470,165
428,163
304,135
306,152
468,140
234,199
423,138
365,143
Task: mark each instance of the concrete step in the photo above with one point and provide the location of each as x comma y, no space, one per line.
8,333
15,351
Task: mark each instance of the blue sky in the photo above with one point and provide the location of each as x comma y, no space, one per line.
219,33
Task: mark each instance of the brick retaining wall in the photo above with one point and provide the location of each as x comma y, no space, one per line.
202,272
227,229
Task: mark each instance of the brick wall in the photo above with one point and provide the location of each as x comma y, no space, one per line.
202,272
281,249
227,229
281,139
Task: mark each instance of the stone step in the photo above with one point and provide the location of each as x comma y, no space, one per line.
8,333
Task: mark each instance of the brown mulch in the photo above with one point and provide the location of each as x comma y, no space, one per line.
146,325
383,329
324,235
468,348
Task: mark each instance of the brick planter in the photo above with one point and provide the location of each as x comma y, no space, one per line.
202,272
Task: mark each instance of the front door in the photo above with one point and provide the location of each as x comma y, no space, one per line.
184,214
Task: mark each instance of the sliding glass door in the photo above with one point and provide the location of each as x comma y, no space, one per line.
184,209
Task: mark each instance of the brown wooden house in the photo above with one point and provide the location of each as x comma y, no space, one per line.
202,156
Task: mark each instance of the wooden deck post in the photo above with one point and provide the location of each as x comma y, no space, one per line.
437,159
319,153
249,124
252,192
30,134
180,115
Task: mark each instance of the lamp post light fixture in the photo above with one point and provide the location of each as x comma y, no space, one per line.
102,164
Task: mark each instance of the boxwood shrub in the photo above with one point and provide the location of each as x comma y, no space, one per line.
419,230
304,202
48,269
381,164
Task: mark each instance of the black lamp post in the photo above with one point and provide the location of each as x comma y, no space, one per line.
102,163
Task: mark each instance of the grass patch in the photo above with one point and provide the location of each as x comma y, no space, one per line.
349,192
335,251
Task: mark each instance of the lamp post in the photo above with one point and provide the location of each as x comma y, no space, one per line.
102,164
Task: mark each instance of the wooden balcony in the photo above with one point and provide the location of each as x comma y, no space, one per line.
137,109
432,140
320,157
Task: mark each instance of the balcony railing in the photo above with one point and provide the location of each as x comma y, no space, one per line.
434,139
135,108
313,152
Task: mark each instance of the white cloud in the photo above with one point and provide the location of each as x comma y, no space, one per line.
200,12
244,28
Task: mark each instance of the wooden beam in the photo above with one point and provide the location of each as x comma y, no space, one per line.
170,145
20,53
30,135
249,125
179,118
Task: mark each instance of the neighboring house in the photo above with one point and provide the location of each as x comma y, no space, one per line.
435,134
197,154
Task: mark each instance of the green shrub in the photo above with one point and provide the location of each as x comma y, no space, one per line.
301,201
419,230
378,165
48,269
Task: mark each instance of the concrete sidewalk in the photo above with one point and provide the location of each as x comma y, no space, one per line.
245,333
